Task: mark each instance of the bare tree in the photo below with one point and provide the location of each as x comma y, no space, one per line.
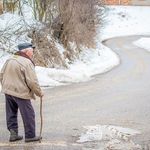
10,5
77,23
73,22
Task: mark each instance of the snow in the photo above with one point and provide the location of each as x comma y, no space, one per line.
90,63
119,21
126,20
3,57
143,43
110,137
10,27
106,132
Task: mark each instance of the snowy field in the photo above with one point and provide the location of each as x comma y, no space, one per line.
126,20
119,21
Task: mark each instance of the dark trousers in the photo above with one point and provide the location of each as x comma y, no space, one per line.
27,114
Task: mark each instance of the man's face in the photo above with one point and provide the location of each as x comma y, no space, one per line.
29,52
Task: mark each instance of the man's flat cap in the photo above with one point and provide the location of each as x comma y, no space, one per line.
25,45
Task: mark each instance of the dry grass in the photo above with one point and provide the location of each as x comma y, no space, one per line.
46,52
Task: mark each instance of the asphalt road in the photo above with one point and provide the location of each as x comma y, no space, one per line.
119,97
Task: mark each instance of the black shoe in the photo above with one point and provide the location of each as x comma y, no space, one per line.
14,136
37,138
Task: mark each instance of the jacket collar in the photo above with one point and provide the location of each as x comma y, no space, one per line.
19,53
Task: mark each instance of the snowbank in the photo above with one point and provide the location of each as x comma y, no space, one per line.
143,43
91,62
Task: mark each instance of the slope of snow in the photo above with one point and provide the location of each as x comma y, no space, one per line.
91,62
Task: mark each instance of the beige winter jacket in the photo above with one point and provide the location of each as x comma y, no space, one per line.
18,78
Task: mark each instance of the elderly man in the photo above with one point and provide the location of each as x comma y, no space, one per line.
19,83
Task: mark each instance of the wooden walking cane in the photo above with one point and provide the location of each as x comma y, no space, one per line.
41,117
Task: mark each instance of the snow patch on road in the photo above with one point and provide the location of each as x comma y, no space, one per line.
115,138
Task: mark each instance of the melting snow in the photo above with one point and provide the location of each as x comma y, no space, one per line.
114,137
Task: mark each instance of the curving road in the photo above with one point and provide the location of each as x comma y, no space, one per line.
118,97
